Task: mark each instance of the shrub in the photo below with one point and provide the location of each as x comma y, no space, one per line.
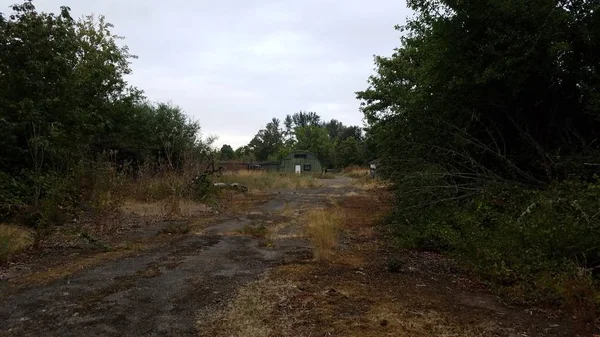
534,244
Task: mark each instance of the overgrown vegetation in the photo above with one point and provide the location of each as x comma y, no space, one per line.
487,120
76,135
261,180
13,239
322,227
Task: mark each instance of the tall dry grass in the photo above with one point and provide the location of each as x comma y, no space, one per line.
13,239
262,181
356,172
323,227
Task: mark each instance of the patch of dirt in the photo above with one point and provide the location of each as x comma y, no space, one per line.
355,294
155,277
246,269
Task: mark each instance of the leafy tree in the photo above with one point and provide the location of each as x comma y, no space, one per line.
483,90
484,119
334,128
316,140
244,153
268,141
227,152
348,152
301,119
303,131
64,103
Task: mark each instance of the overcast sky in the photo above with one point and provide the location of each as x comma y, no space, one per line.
234,64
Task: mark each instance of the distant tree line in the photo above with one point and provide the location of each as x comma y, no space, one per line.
335,144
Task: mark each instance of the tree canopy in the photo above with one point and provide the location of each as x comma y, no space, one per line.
486,119
477,88
64,100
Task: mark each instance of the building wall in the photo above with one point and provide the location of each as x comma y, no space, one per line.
309,163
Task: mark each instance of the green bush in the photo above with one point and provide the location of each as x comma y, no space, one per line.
531,243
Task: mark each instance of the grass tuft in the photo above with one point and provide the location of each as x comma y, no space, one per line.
13,239
259,232
323,226
262,181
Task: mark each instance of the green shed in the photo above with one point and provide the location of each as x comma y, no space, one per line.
301,162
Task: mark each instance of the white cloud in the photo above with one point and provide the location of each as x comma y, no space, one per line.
234,64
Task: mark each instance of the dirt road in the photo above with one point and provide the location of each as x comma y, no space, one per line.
189,285
160,292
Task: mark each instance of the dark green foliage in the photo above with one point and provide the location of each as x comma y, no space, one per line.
490,107
268,141
227,152
516,238
65,106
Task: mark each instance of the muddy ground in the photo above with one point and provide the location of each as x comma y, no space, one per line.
220,276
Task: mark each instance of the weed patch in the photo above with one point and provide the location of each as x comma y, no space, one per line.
356,172
323,227
251,312
13,239
257,231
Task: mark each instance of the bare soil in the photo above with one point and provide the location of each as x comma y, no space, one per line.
219,277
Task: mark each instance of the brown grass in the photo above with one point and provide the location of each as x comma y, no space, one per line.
13,239
251,313
356,172
263,181
259,231
322,227
185,208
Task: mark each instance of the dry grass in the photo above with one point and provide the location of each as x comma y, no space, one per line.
159,209
288,211
356,172
155,187
259,231
13,239
354,295
251,313
395,318
262,181
323,227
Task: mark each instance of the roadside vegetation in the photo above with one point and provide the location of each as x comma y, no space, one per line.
79,140
486,120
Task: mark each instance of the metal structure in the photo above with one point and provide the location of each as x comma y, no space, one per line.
301,162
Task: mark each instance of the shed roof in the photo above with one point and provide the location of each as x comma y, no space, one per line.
302,151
